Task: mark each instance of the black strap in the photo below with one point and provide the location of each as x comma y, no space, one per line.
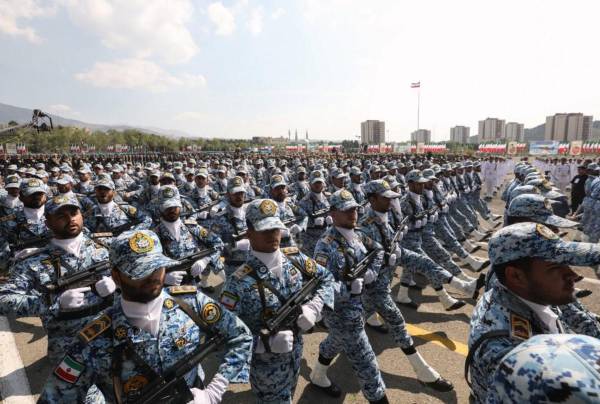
477,344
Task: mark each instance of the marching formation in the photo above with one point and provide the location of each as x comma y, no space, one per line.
115,259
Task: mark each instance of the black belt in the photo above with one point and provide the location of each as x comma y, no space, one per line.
87,312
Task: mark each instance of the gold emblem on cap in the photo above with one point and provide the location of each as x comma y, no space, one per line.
345,195
546,232
60,199
317,174
237,181
169,192
134,383
33,183
277,178
385,184
141,243
267,207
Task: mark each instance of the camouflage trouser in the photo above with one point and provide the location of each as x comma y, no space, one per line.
377,299
437,253
460,219
456,229
273,377
348,335
479,206
465,208
414,259
588,204
445,233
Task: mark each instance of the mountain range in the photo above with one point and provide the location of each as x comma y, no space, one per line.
23,115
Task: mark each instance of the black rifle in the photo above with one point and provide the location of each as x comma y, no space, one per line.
87,277
361,267
33,242
171,387
116,231
185,263
285,317
201,208
319,213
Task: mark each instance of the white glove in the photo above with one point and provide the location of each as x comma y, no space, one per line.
356,286
213,393
446,208
202,215
424,221
174,278
222,275
19,255
105,286
392,260
369,276
199,266
319,221
418,224
295,229
307,319
329,220
73,298
285,233
404,231
434,218
282,342
243,244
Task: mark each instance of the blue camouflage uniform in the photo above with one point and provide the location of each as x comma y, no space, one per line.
312,203
501,320
26,292
110,348
346,325
273,376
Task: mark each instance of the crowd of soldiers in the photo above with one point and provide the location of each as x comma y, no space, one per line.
115,259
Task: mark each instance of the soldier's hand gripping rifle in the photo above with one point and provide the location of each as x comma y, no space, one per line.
116,231
361,267
285,317
171,386
85,278
185,263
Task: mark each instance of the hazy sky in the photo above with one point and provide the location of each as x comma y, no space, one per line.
258,68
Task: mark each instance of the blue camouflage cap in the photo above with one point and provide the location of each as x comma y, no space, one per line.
391,179
415,176
549,368
59,201
65,179
355,171
235,185
316,176
263,214
105,182
32,185
534,240
277,181
523,189
138,253
337,173
538,209
168,197
380,187
12,181
429,174
342,200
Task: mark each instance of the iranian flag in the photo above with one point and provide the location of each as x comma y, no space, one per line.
69,370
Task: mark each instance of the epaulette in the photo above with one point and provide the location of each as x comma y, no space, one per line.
8,217
369,220
95,328
520,327
190,221
182,289
328,238
242,271
290,250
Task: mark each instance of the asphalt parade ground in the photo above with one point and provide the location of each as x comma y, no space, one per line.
440,336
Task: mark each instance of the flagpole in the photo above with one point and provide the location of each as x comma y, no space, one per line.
418,105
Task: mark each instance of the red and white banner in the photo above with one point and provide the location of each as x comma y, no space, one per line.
493,148
415,84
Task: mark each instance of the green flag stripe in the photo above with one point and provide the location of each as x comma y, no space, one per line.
72,364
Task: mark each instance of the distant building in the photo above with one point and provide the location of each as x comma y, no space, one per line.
460,134
491,129
421,136
565,127
514,131
268,140
372,132
473,139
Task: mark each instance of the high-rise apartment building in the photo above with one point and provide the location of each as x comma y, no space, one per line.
514,131
421,136
372,132
491,129
565,127
460,134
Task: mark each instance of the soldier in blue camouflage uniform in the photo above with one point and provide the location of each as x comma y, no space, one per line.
300,187
84,186
203,194
339,250
553,368
144,195
148,330
414,258
182,238
288,211
107,216
26,293
228,220
532,265
375,226
260,287
10,202
315,201
355,187
26,224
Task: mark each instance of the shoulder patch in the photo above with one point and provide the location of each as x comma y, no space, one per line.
369,220
242,271
7,218
132,210
69,370
203,232
290,250
229,300
211,313
322,259
190,222
95,328
310,266
520,327
182,289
